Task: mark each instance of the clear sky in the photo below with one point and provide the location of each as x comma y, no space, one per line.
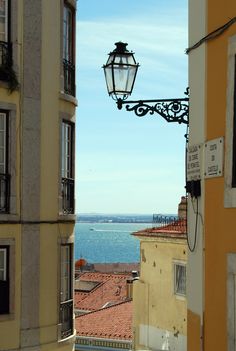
126,164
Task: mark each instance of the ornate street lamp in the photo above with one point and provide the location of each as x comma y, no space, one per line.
120,73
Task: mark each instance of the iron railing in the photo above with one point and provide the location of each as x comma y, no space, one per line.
66,318
4,192
174,221
5,60
68,191
69,77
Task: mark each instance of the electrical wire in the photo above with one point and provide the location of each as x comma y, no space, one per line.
214,34
62,221
199,213
192,248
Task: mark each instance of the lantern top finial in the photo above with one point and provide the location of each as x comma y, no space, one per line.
121,47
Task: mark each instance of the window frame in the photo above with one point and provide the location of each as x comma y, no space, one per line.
234,131
230,139
7,23
6,270
70,28
68,263
6,146
68,170
67,167
5,176
68,47
177,291
66,303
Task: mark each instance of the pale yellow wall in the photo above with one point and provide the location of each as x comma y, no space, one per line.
156,308
51,235
50,88
49,301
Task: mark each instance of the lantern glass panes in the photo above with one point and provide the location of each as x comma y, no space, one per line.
120,72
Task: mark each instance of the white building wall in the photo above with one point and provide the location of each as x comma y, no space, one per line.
197,84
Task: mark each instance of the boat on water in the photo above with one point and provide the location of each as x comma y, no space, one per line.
91,229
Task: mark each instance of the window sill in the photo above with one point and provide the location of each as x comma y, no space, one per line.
4,84
180,297
9,217
69,98
69,340
66,217
7,317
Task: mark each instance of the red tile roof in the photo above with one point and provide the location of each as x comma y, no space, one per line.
112,289
113,322
176,229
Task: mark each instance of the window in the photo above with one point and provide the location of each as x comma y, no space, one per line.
67,161
180,279
3,143
230,131
234,131
68,49
4,20
5,44
4,176
231,300
4,279
66,306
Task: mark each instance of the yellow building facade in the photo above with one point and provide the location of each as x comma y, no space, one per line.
211,216
159,295
37,128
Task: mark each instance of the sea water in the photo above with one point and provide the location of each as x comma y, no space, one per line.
108,242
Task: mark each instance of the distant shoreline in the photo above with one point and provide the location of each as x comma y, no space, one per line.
104,221
119,218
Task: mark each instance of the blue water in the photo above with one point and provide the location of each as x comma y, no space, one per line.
108,242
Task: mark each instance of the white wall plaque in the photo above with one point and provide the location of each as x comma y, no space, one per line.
194,162
214,158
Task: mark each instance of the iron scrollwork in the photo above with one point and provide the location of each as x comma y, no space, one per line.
172,110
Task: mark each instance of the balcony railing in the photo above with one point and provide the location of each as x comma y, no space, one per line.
66,318
68,191
170,222
4,192
5,60
69,77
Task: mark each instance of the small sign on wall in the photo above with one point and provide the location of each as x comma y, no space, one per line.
214,158
194,162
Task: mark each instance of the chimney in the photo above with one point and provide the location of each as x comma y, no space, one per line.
129,285
182,208
134,274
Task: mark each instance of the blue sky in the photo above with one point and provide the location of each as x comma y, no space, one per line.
126,164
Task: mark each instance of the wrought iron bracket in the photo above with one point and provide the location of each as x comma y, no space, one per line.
172,110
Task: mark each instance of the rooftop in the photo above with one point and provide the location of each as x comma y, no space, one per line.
95,290
175,229
113,322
